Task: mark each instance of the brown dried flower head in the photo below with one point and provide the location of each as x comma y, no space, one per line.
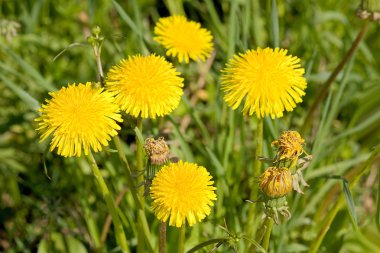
157,151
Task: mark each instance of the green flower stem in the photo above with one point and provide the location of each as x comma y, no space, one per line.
175,7
140,182
325,88
119,231
326,223
259,146
267,225
140,159
138,201
162,241
256,172
181,241
131,184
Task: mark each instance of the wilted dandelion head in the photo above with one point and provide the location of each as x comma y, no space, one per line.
267,79
276,182
157,151
183,39
145,86
79,117
182,191
289,145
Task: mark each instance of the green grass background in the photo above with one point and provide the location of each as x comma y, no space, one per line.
51,204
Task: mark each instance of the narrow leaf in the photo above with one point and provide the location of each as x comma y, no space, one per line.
206,243
377,214
257,245
139,135
29,69
350,203
124,16
182,142
23,95
218,166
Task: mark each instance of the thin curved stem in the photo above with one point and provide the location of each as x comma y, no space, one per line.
119,231
325,88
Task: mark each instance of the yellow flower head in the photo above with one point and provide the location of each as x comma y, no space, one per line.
276,182
157,151
145,86
289,145
79,117
184,39
269,80
182,191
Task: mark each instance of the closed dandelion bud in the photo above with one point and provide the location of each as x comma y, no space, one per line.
289,145
276,182
157,151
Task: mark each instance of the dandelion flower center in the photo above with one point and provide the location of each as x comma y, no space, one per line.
269,80
183,38
182,191
79,117
145,86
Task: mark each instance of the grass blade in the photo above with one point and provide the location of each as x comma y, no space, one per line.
182,142
206,243
124,16
377,214
274,21
23,95
350,203
29,69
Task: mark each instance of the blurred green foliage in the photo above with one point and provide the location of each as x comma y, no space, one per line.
50,204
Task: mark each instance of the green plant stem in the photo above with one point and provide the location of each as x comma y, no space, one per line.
267,225
140,159
119,231
140,182
256,172
97,47
181,239
131,184
259,146
175,7
338,204
325,88
162,240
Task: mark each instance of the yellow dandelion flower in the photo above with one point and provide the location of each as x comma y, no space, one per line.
276,182
79,117
289,145
145,86
269,80
184,39
182,191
